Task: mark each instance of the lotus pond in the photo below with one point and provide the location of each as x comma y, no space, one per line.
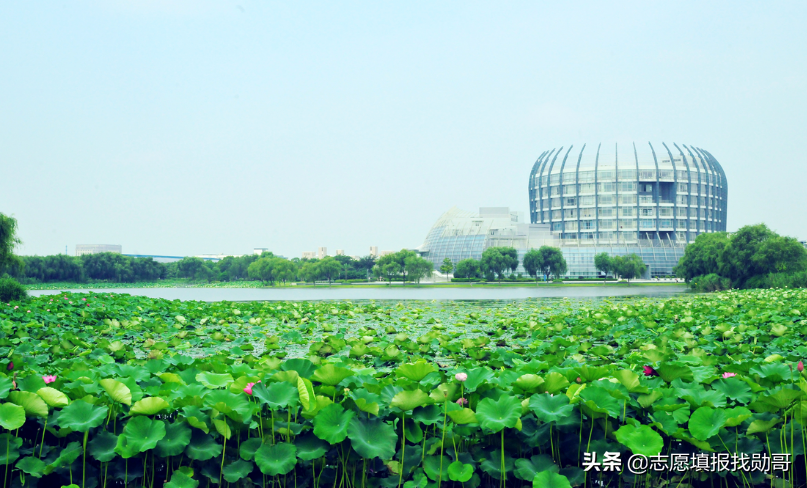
115,390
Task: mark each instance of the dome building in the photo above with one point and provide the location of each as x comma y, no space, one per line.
626,194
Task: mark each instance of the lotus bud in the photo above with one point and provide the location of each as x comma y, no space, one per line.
461,376
800,366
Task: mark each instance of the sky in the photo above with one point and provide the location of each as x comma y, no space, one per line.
182,127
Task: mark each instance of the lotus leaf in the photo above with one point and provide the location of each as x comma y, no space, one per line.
32,403
547,479
81,416
332,422
53,397
117,391
149,406
277,459
705,422
372,438
331,375
495,415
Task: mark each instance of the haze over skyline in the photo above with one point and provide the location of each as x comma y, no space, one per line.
187,127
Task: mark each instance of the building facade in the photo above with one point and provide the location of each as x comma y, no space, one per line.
82,249
624,194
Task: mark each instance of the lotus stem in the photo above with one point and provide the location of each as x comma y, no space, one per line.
403,447
41,445
443,441
84,459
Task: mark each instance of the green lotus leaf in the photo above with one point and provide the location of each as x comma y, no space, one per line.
5,387
276,395
196,418
143,433
222,428
10,451
236,470
640,440
331,375
304,367
331,423
415,371
117,391
276,460
32,403
366,401
529,382
12,416
734,388
53,397
177,437
248,448
495,415
458,471
548,479
81,416
202,447
548,408
762,426
372,438
492,464
410,399
436,467
102,446
673,371
428,415
305,390
463,416
181,480
148,406
310,447
599,400
526,469
737,416
31,466
630,381
553,383
214,380
705,422
67,455
476,377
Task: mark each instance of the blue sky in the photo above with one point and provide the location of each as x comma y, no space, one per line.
185,127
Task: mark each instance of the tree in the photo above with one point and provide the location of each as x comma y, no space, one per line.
703,256
419,268
386,269
263,270
447,267
8,240
284,270
736,260
309,271
628,267
467,268
532,263
510,258
329,268
603,264
493,262
779,254
366,263
552,262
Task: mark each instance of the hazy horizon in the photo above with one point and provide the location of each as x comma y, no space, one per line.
182,127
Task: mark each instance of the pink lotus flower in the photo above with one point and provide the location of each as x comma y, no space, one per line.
649,371
462,401
84,299
248,389
800,366
579,380
49,378
16,307
461,376
728,375
10,365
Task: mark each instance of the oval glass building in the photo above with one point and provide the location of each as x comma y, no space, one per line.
626,194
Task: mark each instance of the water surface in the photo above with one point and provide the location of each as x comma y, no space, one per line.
390,293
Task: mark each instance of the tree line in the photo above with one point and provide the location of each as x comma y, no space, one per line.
753,257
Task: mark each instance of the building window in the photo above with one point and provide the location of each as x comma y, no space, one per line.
627,199
648,212
587,188
607,187
587,200
605,175
569,189
606,212
647,174
603,199
569,202
627,211
627,174
627,186
647,224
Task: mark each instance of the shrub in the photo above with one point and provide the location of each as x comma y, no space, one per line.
711,282
11,290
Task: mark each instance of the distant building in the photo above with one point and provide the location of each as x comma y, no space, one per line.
309,255
260,250
374,251
82,249
340,252
385,253
322,252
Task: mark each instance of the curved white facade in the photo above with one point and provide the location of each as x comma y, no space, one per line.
626,193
